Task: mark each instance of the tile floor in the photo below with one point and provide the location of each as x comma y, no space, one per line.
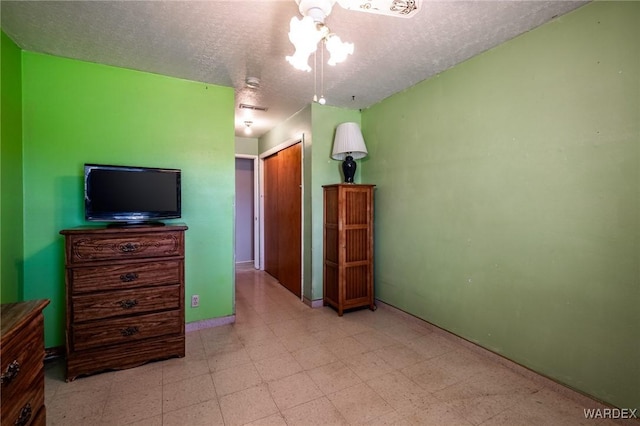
283,363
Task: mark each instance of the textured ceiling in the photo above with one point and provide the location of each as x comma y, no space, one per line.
224,42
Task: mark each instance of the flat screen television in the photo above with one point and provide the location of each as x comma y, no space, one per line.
131,195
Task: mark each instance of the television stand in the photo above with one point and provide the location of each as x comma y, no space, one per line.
124,297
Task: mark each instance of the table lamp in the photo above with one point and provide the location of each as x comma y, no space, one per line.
348,146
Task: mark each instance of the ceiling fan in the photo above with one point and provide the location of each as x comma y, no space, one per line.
306,33
397,8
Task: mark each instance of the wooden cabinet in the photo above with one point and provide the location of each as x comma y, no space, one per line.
348,246
124,295
22,361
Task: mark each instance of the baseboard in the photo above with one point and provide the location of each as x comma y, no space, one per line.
577,396
208,323
54,353
318,303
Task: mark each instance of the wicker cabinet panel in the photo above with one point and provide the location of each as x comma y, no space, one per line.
356,284
331,251
358,248
348,246
331,282
125,297
22,363
356,207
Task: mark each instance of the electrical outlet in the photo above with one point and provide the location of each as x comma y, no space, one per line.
195,301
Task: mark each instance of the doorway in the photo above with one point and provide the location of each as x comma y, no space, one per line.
247,246
282,198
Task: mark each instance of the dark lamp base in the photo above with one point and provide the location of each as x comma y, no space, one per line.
349,169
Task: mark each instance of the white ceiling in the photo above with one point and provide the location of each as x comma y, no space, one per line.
224,42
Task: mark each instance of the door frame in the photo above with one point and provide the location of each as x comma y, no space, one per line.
257,253
261,159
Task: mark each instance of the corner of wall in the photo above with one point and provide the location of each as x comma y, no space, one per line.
11,180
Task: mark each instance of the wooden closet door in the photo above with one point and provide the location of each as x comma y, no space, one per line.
289,218
271,215
283,217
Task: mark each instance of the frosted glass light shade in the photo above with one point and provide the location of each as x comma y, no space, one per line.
338,49
348,141
304,35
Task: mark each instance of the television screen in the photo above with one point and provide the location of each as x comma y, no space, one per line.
131,194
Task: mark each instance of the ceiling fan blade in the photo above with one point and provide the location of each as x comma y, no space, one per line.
398,8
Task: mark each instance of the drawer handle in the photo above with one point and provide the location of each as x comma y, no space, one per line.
25,415
129,331
127,278
10,373
128,304
128,247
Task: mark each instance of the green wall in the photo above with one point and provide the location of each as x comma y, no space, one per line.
508,201
246,146
318,124
325,171
11,222
77,112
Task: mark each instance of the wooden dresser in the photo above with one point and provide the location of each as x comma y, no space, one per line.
125,296
22,360
348,246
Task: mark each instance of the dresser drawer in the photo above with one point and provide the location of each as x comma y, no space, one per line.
88,247
40,418
27,405
22,357
95,306
122,330
123,276
21,364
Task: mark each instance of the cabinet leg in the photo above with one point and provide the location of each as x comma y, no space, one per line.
373,307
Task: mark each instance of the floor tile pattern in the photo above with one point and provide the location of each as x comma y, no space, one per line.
283,363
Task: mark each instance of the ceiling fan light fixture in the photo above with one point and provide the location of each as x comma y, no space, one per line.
317,9
396,8
316,14
337,49
304,35
299,62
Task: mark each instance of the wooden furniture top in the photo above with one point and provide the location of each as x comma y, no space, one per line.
130,229
15,315
347,185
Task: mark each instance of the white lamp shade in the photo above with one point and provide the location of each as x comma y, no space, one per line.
348,141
